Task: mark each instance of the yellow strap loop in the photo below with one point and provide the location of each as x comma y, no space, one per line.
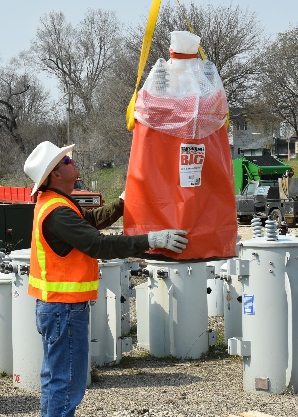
147,40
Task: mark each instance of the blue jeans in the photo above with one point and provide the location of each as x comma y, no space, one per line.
64,330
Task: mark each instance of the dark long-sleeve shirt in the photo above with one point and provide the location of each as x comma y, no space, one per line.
63,229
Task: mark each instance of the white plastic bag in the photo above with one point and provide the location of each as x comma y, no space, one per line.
182,97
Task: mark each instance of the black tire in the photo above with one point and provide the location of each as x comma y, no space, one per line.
276,215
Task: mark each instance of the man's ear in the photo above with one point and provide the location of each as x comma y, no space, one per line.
55,174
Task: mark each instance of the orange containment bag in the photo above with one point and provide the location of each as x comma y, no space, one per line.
180,173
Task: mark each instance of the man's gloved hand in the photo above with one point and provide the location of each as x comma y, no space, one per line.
122,196
168,239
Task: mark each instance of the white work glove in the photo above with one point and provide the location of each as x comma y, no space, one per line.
122,196
168,239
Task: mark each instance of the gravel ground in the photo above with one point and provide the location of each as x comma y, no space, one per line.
145,386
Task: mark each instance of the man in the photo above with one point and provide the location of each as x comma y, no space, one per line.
64,271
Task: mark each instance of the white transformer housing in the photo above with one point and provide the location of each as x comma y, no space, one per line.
219,302
5,322
174,309
125,269
107,344
269,346
27,345
215,298
26,341
232,295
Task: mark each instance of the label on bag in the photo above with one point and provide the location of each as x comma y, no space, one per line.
192,158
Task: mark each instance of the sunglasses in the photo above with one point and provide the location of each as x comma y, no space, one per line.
66,160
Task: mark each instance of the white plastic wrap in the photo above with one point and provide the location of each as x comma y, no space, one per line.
183,98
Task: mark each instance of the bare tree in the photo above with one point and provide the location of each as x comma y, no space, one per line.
278,84
231,38
78,57
103,133
96,63
12,89
23,101
26,118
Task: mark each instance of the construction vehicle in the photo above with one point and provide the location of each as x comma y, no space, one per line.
256,168
275,198
86,198
17,210
22,195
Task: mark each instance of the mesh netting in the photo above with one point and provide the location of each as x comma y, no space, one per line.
183,98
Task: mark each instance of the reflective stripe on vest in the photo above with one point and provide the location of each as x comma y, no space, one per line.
62,286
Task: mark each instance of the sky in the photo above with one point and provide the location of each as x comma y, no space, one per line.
19,19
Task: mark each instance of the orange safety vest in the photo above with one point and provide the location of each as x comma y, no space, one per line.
53,278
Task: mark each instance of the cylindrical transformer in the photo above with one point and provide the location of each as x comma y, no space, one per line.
177,309
106,316
126,267
5,323
269,346
232,295
26,341
215,298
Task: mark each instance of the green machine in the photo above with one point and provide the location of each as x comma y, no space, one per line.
265,167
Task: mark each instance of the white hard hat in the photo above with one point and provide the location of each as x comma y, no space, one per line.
42,160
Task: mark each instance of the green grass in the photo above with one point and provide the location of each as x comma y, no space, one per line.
293,162
110,182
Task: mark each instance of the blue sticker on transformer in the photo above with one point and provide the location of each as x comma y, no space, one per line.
248,304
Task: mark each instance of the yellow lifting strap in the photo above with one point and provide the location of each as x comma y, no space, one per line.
147,40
